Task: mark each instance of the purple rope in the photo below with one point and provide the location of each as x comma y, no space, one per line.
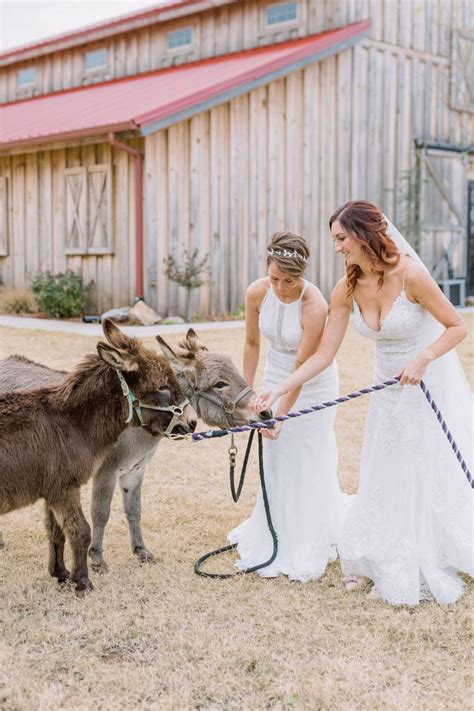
211,434
448,434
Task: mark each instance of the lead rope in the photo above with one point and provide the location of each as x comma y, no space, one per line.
232,460
199,436
233,546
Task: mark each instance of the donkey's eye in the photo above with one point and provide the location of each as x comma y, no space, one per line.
164,389
220,385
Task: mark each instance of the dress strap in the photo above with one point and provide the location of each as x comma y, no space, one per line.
405,275
304,288
265,298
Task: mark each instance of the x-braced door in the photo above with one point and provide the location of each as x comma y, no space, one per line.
443,211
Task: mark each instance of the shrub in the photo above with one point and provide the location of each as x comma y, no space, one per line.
60,295
17,301
188,273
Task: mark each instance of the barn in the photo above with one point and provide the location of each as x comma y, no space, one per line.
210,124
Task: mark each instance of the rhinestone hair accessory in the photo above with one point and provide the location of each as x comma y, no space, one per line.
286,253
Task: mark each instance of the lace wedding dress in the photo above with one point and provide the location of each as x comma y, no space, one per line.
300,466
410,526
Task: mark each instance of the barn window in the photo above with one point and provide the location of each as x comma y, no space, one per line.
88,203
3,217
96,60
26,77
180,38
462,75
281,13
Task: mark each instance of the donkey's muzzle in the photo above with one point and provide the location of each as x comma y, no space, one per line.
265,415
184,429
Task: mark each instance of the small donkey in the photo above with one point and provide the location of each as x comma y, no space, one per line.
54,438
209,380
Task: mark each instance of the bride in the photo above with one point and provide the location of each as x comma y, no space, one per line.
409,528
301,465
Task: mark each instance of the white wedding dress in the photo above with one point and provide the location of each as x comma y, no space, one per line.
300,466
410,526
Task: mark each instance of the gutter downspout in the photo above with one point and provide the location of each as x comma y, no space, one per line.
138,158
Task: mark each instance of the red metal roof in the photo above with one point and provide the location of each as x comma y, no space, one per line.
150,102
162,12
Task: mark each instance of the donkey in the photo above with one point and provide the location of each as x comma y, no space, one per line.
209,380
55,437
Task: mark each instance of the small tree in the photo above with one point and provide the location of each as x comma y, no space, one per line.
188,273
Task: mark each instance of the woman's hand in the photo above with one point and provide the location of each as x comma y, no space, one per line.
265,400
274,432
413,373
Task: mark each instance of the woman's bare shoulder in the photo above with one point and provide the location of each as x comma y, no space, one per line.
339,296
313,297
257,290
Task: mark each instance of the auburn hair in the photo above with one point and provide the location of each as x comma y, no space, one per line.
367,225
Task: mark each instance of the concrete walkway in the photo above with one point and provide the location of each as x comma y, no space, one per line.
95,329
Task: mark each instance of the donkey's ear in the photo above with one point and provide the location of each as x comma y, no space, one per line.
177,357
119,359
114,335
195,344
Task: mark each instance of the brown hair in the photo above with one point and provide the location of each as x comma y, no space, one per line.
367,225
296,249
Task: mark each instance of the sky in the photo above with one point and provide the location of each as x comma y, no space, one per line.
25,21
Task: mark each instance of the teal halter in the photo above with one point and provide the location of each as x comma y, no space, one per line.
135,406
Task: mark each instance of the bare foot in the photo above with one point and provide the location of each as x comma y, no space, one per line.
353,582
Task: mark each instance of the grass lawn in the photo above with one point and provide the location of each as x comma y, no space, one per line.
157,637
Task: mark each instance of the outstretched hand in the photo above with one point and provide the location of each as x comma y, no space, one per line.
265,400
413,373
272,433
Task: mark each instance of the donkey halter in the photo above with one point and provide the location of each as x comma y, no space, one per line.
135,406
229,406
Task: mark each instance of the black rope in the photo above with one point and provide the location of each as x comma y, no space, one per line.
233,546
236,494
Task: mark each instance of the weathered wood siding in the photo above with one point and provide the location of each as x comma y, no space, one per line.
418,25
281,157
284,156
37,221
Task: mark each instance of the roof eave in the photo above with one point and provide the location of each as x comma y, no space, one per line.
38,142
107,29
150,124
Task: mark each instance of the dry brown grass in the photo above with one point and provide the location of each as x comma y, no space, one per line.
16,301
158,637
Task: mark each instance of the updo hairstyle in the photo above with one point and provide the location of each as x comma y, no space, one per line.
289,252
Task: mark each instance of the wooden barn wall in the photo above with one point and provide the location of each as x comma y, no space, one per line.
36,222
283,157
418,25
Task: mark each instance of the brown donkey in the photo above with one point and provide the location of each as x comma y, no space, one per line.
54,438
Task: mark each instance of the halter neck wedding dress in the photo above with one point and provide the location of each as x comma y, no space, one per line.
300,466
409,527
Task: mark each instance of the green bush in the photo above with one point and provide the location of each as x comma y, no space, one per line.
16,301
60,295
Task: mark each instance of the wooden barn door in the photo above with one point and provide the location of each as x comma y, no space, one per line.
443,211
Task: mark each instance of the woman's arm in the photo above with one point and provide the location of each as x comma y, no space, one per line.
331,340
253,298
313,320
421,287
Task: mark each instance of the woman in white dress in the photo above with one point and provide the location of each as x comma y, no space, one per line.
410,527
301,464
